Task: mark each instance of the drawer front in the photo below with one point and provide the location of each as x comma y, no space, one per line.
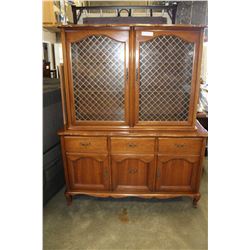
180,146
132,145
86,144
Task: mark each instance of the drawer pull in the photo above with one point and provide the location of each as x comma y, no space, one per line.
132,145
179,145
85,144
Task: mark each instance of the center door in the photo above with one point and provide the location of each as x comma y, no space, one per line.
132,173
133,164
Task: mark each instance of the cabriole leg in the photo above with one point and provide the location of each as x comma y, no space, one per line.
68,199
195,200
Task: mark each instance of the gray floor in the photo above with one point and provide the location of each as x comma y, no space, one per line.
131,223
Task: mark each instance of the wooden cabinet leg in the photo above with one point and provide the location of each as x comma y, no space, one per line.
195,200
68,199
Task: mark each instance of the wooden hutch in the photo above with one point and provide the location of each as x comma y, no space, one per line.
130,95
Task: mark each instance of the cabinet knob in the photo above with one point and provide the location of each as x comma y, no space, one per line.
136,75
132,145
179,145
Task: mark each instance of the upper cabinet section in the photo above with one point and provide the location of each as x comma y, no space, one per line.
132,77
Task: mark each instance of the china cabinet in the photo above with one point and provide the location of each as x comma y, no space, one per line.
129,98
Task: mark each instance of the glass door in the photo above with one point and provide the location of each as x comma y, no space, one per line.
165,77
98,77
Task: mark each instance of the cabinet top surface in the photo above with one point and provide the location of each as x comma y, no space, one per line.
168,26
199,132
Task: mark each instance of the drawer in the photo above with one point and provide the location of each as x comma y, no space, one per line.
180,146
86,144
132,145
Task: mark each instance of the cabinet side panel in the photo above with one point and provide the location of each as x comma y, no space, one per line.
200,168
194,103
66,78
65,163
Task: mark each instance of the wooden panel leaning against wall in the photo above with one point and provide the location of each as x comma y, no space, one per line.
115,143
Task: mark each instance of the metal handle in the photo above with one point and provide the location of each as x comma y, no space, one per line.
105,173
158,174
127,74
179,145
132,170
85,144
132,145
136,75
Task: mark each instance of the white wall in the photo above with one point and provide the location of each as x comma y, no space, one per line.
204,72
50,38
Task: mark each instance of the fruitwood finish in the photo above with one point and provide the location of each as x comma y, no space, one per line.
115,146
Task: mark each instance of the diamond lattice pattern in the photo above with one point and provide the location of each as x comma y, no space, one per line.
98,69
166,64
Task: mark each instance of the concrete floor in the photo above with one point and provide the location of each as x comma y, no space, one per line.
130,223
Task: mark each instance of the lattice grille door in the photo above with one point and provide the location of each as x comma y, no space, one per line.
98,71
166,65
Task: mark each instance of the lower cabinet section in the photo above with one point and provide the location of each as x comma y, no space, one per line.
133,173
176,173
144,167
88,172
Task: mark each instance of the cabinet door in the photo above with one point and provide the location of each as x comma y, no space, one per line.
177,173
88,172
97,63
166,77
132,173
